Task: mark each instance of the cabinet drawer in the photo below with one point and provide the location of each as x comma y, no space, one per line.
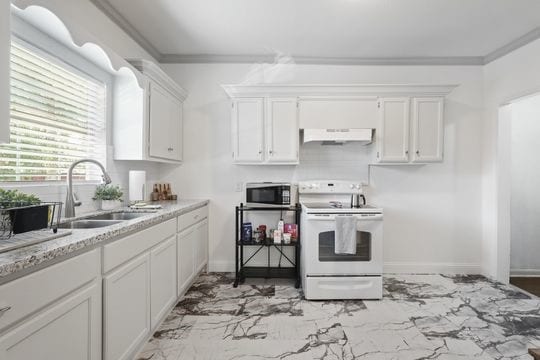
192,217
127,248
37,290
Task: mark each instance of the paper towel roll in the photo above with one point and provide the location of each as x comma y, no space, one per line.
137,185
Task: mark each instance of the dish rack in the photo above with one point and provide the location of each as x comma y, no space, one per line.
12,212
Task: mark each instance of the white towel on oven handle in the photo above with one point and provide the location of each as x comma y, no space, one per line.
345,235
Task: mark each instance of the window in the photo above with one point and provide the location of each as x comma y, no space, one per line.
57,116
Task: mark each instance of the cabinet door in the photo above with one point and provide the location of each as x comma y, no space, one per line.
282,130
5,45
70,329
393,130
428,129
176,128
247,130
160,119
186,258
201,245
162,279
126,308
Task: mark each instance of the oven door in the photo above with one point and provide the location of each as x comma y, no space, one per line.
318,244
268,195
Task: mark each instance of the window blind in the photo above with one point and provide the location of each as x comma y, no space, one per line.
57,116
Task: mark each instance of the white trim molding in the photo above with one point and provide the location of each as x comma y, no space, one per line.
525,272
431,268
154,72
513,45
286,90
318,60
112,13
389,268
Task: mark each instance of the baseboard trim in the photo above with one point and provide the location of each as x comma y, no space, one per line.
525,272
430,268
220,266
389,268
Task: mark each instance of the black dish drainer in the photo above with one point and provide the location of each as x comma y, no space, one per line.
243,271
13,213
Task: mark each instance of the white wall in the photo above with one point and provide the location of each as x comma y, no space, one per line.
83,14
525,197
510,77
432,212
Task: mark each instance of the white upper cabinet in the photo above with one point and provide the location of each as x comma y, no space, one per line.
165,138
338,112
265,131
248,130
393,130
282,134
410,135
408,119
148,122
427,129
5,44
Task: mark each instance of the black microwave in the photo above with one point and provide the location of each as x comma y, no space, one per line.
271,194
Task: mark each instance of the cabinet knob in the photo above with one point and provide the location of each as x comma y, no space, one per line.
170,149
417,152
406,152
270,152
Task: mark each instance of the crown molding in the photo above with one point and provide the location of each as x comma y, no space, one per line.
154,72
113,14
318,60
513,45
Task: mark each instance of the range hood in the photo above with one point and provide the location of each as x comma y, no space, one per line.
338,136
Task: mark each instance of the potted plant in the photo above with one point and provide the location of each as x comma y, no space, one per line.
22,212
108,196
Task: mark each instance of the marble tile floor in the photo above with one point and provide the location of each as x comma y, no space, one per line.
420,317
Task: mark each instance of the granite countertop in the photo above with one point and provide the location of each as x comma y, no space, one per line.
27,257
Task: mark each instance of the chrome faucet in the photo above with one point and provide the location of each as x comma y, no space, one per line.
71,200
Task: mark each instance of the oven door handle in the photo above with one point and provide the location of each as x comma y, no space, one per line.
329,217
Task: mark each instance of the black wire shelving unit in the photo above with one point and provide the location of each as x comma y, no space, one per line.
243,270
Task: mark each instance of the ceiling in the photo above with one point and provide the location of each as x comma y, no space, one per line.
328,31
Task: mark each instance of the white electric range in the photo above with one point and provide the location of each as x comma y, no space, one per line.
325,274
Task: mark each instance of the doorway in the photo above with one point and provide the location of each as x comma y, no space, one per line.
524,185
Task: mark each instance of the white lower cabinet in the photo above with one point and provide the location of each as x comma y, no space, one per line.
192,246
69,310
162,280
54,313
126,305
70,329
201,245
186,257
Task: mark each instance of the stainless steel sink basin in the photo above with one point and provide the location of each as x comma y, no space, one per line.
88,224
117,216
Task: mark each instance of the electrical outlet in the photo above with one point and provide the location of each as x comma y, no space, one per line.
239,186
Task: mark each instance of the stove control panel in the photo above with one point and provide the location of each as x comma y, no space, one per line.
329,187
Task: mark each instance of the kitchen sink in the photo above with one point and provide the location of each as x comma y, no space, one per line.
117,216
88,224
